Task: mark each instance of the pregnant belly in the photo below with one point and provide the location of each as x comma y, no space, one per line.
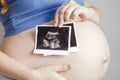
89,63
22,52
75,60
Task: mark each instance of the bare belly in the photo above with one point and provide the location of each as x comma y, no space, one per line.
89,63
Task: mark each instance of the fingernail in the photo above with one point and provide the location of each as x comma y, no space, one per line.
60,25
55,24
69,66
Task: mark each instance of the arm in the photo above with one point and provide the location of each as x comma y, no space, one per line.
72,11
13,69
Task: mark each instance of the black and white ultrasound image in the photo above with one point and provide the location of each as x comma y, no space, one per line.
73,42
53,38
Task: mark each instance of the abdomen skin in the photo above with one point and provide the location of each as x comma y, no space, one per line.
90,63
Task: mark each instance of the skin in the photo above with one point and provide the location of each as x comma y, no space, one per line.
90,63
72,11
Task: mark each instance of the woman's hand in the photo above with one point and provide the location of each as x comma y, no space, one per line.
69,11
49,72
72,11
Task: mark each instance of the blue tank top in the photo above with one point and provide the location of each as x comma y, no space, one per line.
25,14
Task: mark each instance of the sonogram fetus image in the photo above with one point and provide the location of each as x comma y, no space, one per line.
51,40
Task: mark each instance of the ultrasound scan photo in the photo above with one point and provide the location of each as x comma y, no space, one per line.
73,38
52,40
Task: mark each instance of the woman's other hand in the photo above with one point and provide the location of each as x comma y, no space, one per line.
50,72
72,11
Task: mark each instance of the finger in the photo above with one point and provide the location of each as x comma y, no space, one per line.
83,17
75,16
76,19
68,12
77,12
61,14
59,68
56,18
58,77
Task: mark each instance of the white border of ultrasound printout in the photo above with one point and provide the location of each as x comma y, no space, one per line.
76,48
51,52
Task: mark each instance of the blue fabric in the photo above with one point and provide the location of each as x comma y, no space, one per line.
25,14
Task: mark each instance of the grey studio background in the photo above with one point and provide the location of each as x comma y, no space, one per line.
110,25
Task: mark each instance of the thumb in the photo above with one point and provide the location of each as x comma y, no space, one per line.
59,68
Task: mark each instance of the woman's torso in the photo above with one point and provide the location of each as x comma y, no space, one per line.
21,46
